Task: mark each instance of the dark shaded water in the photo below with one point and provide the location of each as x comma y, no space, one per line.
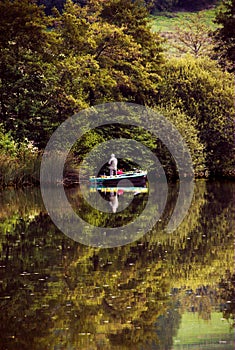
164,291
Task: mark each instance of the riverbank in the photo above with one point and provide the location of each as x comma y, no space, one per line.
19,173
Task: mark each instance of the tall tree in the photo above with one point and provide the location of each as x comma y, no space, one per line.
119,57
32,100
54,66
24,56
192,35
142,70
205,94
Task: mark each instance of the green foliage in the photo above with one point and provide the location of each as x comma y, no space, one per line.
27,75
19,162
163,5
53,67
117,59
187,127
7,144
193,36
183,123
186,31
49,5
166,23
200,89
151,5
225,35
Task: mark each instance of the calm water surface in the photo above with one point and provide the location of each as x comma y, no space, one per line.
164,291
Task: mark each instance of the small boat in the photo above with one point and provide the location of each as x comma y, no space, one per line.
138,177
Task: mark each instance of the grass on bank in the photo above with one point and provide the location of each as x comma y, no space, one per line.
168,21
19,171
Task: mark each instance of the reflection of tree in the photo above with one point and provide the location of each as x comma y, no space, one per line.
58,293
201,301
101,200
197,250
200,259
28,260
167,326
226,291
129,298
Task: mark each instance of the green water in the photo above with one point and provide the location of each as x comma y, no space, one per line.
164,291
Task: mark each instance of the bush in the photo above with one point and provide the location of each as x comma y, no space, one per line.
19,163
201,90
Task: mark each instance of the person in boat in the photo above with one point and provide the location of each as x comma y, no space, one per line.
113,165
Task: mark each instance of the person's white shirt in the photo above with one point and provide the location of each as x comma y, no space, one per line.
113,164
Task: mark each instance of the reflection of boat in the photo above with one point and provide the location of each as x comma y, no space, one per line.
118,189
132,178
112,195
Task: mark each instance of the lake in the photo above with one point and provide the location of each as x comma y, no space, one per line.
162,291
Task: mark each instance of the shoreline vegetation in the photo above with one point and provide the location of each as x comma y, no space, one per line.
25,172
55,63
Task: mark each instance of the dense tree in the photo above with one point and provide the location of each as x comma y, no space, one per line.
225,35
205,94
120,57
50,5
29,90
47,75
173,5
151,5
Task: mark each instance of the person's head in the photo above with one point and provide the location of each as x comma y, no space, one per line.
112,155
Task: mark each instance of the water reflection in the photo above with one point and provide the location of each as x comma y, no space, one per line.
113,194
58,294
